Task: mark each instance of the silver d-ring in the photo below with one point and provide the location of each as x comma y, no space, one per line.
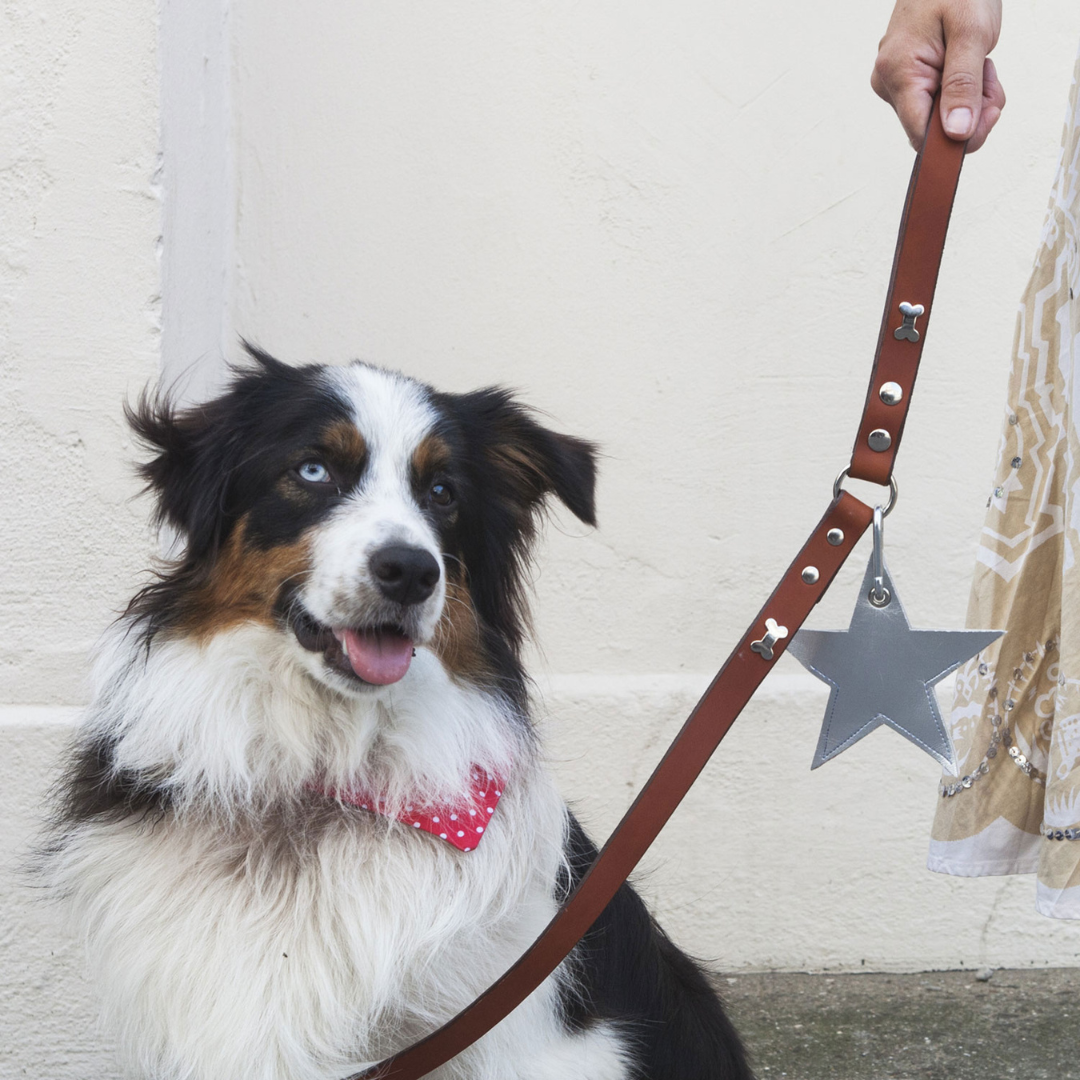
893,492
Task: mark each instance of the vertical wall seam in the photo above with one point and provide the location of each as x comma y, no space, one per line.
199,187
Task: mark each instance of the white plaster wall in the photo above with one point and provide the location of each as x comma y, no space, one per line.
79,305
79,330
671,227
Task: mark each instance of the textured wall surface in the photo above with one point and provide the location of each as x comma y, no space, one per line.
79,314
79,215
670,225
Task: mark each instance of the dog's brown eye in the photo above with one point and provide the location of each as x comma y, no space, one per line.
442,494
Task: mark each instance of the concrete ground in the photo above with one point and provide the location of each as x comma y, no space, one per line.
938,1026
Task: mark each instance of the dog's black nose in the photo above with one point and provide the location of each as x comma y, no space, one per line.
406,575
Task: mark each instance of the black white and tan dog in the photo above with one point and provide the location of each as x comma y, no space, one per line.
306,819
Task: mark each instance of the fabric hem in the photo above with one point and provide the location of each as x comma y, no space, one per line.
986,868
1058,903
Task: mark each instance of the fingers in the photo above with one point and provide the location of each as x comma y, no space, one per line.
912,106
932,44
966,45
993,101
907,79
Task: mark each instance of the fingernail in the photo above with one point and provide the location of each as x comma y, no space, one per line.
958,122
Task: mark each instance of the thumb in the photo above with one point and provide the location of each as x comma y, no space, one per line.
962,86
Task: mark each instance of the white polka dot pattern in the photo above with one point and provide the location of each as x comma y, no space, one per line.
476,805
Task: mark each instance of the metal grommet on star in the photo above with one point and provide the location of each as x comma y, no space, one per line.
879,597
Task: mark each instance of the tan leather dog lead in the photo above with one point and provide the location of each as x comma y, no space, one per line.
911,294
907,311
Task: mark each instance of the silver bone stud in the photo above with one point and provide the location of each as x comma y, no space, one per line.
773,633
906,331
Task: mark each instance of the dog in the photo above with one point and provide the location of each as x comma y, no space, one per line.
305,819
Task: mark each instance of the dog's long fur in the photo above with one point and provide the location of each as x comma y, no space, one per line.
244,921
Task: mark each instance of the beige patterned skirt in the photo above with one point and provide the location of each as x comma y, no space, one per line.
1015,806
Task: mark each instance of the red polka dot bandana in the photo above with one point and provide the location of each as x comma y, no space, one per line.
462,824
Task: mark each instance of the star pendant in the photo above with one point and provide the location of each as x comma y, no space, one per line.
883,672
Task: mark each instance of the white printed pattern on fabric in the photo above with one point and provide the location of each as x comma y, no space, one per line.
1015,806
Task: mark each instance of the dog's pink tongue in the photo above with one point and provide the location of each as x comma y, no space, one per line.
378,656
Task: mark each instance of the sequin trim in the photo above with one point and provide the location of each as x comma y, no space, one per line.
1062,834
1002,737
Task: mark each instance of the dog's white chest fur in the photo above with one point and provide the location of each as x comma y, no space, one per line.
304,940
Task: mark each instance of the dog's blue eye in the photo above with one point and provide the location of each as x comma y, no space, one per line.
314,472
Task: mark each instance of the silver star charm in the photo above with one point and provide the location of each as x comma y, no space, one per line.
883,672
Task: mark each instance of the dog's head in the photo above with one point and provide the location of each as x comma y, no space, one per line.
359,513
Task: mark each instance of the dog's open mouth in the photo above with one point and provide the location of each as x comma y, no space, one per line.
378,655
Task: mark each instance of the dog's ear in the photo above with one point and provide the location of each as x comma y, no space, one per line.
188,473
527,461
542,462
208,458
511,465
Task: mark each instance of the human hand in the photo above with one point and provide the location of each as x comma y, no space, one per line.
932,43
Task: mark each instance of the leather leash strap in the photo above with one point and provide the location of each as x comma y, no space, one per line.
915,268
914,277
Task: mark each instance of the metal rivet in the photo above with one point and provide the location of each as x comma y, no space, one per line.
1017,462
773,633
810,574
879,440
891,393
1013,418
835,537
